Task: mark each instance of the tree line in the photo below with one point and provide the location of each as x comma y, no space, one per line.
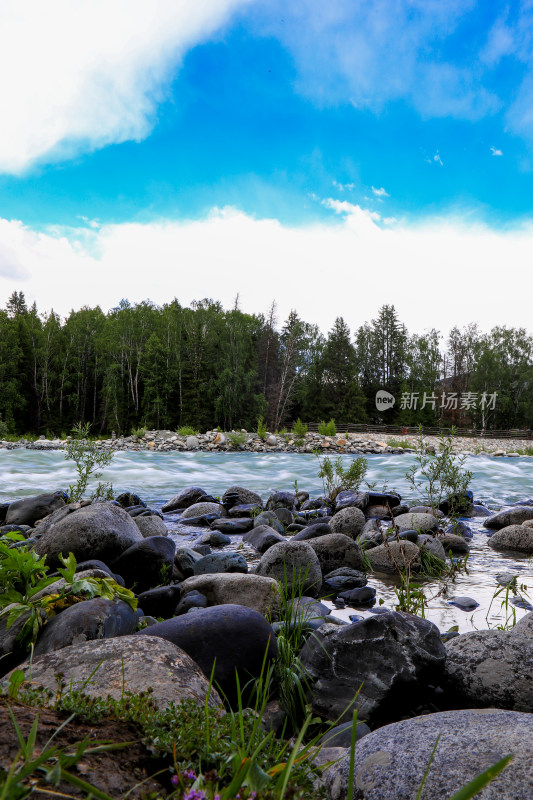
168,366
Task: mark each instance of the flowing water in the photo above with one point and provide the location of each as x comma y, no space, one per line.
156,477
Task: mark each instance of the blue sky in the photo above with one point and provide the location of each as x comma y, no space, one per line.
392,136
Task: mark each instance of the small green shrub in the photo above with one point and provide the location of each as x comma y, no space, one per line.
138,432
392,442
299,429
338,478
186,430
88,458
327,428
237,439
261,428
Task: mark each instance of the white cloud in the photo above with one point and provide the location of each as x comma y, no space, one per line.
437,159
80,75
438,273
496,152
349,187
380,192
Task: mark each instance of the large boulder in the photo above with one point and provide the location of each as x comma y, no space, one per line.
147,563
187,497
392,557
253,591
390,762
524,626
512,516
91,619
514,537
31,509
349,521
335,550
228,638
432,545
281,500
100,530
294,564
237,495
389,656
127,663
349,499
423,523
491,668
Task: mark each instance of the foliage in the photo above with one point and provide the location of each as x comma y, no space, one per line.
138,432
327,428
87,458
261,428
337,478
512,590
392,442
411,597
237,439
3,428
438,476
186,430
299,429
23,584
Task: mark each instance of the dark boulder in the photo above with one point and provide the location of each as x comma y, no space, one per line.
161,601
239,525
187,497
312,532
348,499
228,561
263,537
128,499
31,509
146,563
281,500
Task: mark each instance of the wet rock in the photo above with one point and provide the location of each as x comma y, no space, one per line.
312,532
100,530
337,550
203,510
284,515
109,666
245,510
348,499
184,559
215,538
464,603
292,562
480,510
97,618
281,500
426,510
524,627
228,525
514,537
390,654
151,526
187,497
238,494
486,669
513,516
221,562
146,563
391,557
227,637
460,503
349,521
377,512
128,499
339,580
31,509
252,591
459,528
191,600
423,523
431,545
454,543
480,737
360,597
160,602
262,538
268,518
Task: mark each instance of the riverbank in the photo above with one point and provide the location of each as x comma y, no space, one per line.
245,441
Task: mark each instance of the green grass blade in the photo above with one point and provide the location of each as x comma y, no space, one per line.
426,773
90,790
475,786
351,769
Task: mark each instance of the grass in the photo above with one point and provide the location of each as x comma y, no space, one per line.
186,430
392,442
327,428
237,439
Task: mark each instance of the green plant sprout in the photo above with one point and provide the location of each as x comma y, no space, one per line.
87,458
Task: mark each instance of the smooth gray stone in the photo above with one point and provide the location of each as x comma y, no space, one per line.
221,562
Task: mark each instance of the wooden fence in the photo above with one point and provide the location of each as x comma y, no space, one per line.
399,430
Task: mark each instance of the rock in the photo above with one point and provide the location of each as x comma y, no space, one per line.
344,578
284,515
486,668
271,440
151,526
238,494
293,563
390,654
423,523
192,600
127,499
349,521
341,735
262,538
23,529
203,510
479,510
464,603
192,443
403,508
384,498
147,563
392,556
348,499
229,638
513,516
97,618
226,525
460,503
459,528
268,518
187,497
221,562
126,663
360,597
410,536
524,627
432,545
160,602
215,538
514,537
184,559
337,550
454,543
31,509
100,530
252,591
470,741
281,500
377,512
245,510
312,532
